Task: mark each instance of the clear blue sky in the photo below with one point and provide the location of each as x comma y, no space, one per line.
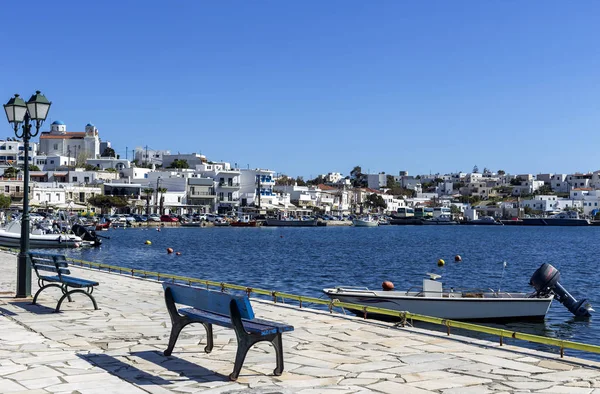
309,87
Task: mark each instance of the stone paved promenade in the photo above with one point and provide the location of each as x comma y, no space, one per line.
118,349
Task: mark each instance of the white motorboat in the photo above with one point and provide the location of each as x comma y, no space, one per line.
442,219
366,221
10,236
484,221
432,300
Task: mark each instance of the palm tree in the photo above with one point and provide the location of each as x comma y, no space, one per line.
162,190
148,192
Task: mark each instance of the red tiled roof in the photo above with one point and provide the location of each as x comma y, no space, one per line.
583,188
325,187
66,136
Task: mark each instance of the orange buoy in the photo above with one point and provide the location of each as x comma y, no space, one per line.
169,250
387,285
457,258
178,253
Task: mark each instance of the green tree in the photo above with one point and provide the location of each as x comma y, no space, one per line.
317,181
546,189
33,167
89,167
375,201
105,202
300,181
162,191
179,164
81,159
111,170
11,172
357,178
5,201
284,180
515,181
391,182
501,172
454,209
148,192
108,152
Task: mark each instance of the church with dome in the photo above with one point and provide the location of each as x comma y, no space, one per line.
76,144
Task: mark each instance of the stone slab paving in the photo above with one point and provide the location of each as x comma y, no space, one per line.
118,349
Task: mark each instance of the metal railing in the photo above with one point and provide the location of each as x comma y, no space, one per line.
330,304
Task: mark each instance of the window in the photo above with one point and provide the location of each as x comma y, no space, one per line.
7,189
81,197
86,179
55,146
221,196
17,189
71,195
57,197
229,196
74,179
3,147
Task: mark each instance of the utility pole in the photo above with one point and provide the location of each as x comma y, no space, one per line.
69,163
126,151
157,181
146,154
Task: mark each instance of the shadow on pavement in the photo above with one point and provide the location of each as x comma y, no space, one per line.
181,366
37,308
123,370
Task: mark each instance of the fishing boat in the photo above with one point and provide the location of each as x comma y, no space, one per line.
441,220
10,236
484,221
566,218
283,220
432,300
243,221
366,221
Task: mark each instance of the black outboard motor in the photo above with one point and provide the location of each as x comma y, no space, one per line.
545,281
86,234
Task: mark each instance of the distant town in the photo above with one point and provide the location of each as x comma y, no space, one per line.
80,172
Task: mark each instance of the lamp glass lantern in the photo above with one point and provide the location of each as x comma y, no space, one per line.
15,110
38,106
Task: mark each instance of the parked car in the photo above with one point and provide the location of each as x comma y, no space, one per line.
154,218
168,218
140,218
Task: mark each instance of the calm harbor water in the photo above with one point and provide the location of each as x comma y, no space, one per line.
306,260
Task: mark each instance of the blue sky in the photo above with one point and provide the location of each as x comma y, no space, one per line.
309,87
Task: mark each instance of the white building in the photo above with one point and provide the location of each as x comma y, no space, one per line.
145,156
376,181
192,159
12,152
257,184
333,177
59,141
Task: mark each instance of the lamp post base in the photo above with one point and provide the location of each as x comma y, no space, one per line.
23,275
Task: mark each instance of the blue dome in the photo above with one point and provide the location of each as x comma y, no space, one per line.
89,125
58,122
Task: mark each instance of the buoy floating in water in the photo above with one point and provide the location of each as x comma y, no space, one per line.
148,242
457,258
387,285
178,253
76,244
441,263
169,250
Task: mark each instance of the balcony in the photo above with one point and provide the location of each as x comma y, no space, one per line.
229,185
196,194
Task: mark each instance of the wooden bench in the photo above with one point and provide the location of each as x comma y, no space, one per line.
58,264
232,311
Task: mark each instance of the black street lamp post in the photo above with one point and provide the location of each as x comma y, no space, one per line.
18,112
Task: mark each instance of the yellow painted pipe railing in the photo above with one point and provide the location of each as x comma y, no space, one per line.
403,316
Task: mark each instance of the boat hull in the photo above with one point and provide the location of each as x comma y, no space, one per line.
365,223
455,308
554,222
42,241
243,224
290,223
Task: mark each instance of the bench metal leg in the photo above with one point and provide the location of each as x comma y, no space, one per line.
246,341
178,322
278,345
68,295
42,288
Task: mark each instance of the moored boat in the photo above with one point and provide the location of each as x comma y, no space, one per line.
10,236
433,300
366,221
566,218
290,222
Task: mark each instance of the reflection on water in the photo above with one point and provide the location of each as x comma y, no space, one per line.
306,260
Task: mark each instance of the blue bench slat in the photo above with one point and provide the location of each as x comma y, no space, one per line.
63,271
262,328
281,327
50,278
209,300
77,282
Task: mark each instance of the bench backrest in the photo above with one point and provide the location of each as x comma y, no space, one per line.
209,300
49,262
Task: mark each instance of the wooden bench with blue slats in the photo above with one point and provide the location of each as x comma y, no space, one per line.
210,307
57,263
